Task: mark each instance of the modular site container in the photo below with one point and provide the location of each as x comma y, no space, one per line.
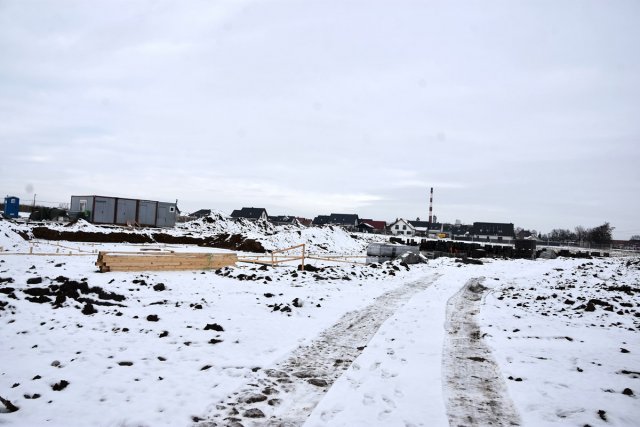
123,211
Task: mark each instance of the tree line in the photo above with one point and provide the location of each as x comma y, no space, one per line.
601,235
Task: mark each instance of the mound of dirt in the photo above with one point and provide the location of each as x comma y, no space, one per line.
46,233
62,289
235,242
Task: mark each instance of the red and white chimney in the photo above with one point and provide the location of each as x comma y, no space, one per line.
431,207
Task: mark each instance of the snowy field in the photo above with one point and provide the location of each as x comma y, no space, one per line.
532,343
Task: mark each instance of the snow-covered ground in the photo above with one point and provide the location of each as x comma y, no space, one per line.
547,342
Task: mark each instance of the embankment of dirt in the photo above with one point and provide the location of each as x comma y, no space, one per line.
235,242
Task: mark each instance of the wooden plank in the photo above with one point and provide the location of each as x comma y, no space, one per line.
175,256
161,268
140,261
336,260
168,262
118,260
158,256
288,249
44,254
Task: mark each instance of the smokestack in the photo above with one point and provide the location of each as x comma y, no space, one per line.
431,207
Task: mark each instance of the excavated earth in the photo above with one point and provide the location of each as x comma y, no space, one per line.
235,242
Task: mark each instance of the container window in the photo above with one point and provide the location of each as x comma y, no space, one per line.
172,209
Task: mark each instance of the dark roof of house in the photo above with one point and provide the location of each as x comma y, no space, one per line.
493,229
201,213
425,224
321,220
377,225
459,230
249,213
344,219
336,219
282,218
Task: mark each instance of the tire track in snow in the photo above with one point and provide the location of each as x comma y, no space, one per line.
473,388
285,394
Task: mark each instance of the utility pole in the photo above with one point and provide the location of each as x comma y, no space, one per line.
33,207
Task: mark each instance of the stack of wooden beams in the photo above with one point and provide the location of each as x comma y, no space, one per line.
141,261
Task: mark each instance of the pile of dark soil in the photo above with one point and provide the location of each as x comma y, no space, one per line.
62,288
46,233
235,242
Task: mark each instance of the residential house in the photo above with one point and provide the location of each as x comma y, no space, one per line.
304,221
321,220
424,228
283,220
371,226
525,234
402,227
201,213
459,230
363,227
494,231
252,214
348,221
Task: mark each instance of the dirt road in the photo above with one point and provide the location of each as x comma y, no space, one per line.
309,372
473,388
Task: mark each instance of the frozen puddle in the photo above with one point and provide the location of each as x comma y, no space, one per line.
474,391
285,394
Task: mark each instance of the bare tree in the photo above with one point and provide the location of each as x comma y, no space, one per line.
581,233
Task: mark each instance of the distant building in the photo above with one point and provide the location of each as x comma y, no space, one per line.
459,230
371,226
201,213
304,221
121,211
283,220
402,227
322,220
424,228
348,221
252,214
494,231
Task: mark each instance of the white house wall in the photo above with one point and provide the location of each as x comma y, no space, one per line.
404,229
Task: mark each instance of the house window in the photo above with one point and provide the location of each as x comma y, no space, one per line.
404,227
397,227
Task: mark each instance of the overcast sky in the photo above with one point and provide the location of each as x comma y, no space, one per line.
514,111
